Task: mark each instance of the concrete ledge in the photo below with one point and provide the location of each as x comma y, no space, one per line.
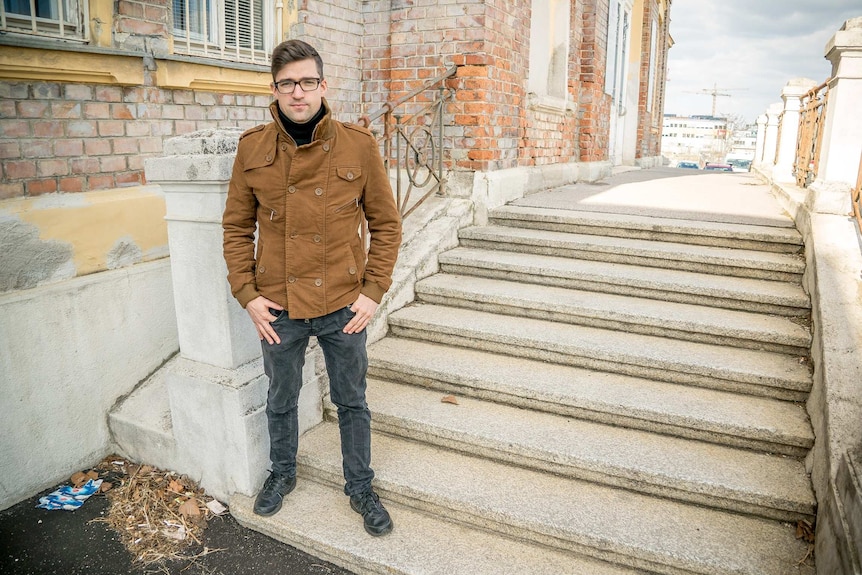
833,250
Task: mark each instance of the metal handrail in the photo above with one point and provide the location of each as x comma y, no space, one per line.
808,145
417,154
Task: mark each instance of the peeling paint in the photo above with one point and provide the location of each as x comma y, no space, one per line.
27,261
124,253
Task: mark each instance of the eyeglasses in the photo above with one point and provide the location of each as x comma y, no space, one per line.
306,85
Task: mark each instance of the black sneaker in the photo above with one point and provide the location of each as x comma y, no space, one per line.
377,520
272,494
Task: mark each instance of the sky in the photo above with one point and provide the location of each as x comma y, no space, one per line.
748,49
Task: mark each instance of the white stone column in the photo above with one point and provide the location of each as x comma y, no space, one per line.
217,389
842,132
761,137
789,131
770,140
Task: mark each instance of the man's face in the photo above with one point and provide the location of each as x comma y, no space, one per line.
299,106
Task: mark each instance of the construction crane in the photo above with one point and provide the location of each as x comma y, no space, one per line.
715,92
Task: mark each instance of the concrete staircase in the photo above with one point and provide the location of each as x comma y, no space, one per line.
581,393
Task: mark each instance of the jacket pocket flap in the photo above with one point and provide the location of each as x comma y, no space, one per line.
349,173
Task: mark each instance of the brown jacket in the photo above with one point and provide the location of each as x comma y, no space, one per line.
308,203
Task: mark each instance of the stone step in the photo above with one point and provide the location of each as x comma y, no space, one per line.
705,233
678,256
630,314
727,478
420,544
715,367
754,423
141,424
632,529
747,294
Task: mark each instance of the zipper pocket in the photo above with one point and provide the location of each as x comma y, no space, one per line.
353,202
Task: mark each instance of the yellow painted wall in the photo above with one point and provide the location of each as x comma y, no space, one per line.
93,223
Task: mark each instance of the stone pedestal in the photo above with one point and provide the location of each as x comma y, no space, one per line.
842,134
770,138
217,389
789,132
761,138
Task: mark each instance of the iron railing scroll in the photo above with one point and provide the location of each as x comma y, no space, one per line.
811,123
412,141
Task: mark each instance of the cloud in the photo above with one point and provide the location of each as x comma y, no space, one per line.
748,50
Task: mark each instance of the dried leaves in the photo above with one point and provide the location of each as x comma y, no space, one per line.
449,399
158,514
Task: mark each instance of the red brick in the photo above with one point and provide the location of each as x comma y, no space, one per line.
111,128
97,147
122,112
100,182
38,187
10,150
68,147
97,110
11,190
48,168
31,109
85,165
150,145
78,92
50,129
125,145
140,27
81,129
137,128
18,170
14,128
35,148
112,163
71,185
65,110
129,179
109,94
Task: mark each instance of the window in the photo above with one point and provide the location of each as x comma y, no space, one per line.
547,80
237,30
53,18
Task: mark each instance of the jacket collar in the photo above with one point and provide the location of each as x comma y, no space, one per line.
325,130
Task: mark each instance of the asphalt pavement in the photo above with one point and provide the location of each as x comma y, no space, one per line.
36,541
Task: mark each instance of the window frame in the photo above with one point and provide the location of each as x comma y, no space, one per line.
211,38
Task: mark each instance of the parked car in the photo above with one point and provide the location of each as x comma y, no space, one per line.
715,166
691,165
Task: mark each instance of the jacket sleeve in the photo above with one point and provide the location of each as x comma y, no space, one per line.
384,227
239,223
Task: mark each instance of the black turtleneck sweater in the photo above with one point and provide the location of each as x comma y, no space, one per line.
301,133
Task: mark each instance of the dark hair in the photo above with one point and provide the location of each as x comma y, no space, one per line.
294,51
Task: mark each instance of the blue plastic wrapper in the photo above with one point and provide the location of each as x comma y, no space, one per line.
68,497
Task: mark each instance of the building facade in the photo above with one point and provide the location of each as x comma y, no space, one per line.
92,89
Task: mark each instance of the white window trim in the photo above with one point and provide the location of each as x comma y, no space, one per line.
70,23
548,77
212,42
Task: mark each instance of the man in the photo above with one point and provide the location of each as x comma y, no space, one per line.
305,181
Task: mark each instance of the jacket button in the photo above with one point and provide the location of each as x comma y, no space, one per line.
349,175
261,269
269,158
283,147
318,282
318,192
326,147
293,235
291,279
291,189
316,239
352,270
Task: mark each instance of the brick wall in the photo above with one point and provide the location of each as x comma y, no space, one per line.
594,113
57,137
650,121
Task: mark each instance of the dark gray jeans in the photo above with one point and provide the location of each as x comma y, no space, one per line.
346,363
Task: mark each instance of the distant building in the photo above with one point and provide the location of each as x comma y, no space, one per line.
742,147
694,139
